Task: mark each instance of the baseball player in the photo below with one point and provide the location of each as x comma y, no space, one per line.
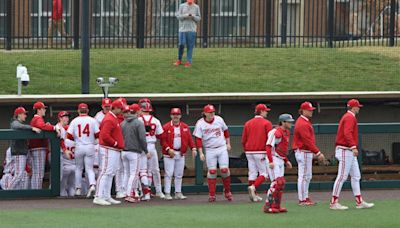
39,147
254,139
19,149
119,175
84,130
212,133
154,130
67,147
305,149
346,154
8,170
277,151
111,143
135,144
106,106
175,142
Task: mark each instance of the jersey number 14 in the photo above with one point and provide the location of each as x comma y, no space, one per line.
85,130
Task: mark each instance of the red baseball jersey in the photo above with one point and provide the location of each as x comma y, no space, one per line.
304,136
111,132
255,135
57,10
38,122
169,138
278,144
347,134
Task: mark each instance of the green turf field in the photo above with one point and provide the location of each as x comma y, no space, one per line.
249,215
214,70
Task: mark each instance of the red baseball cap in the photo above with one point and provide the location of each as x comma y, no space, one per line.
176,111
118,104
106,102
354,103
19,110
209,108
123,100
147,100
39,105
134,107
262,107
307,106
126,109
83,106
62,114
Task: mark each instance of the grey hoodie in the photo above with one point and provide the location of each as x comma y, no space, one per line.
19,146
134,135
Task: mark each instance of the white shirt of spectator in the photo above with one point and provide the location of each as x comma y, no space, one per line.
212,134
83,129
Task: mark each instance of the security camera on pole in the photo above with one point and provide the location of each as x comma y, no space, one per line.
105,86
22,77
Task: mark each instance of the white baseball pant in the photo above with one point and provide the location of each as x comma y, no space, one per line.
38,156
153,168
5,181
17,182
217,156
84,157
256,165
143,169
97,161
278,170
131,171
109,165
119,177
348,164
173,168
67,181
304,161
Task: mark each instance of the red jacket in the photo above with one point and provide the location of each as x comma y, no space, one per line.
38,122
304,136
347,134
279,139
255,134
167,138
111,133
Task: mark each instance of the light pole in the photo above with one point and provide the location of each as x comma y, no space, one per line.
106,85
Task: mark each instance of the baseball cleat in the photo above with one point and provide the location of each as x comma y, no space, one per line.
258,199
101,202
168,196
228,196
120,195
178,62
180,196
270,210
113,201
252,193
160,195
337,206
91,191
364,205
78,192
282,210
132,199
212,199
302,203
309,202
146,197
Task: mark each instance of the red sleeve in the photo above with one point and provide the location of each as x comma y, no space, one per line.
70,137
348,132
39,123
106,133
199,142
307,137
269,154
244,136
164,140
268,127
62,145
226,134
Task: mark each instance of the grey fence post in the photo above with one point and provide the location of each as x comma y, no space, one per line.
284,21
141,18
392,22
9,25
85,58
206,9
331,17
268,22
76,14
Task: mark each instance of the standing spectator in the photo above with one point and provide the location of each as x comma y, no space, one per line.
347,153
188,16
111,143
175,142
19,149
305,149
254,139
56,22
39,147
